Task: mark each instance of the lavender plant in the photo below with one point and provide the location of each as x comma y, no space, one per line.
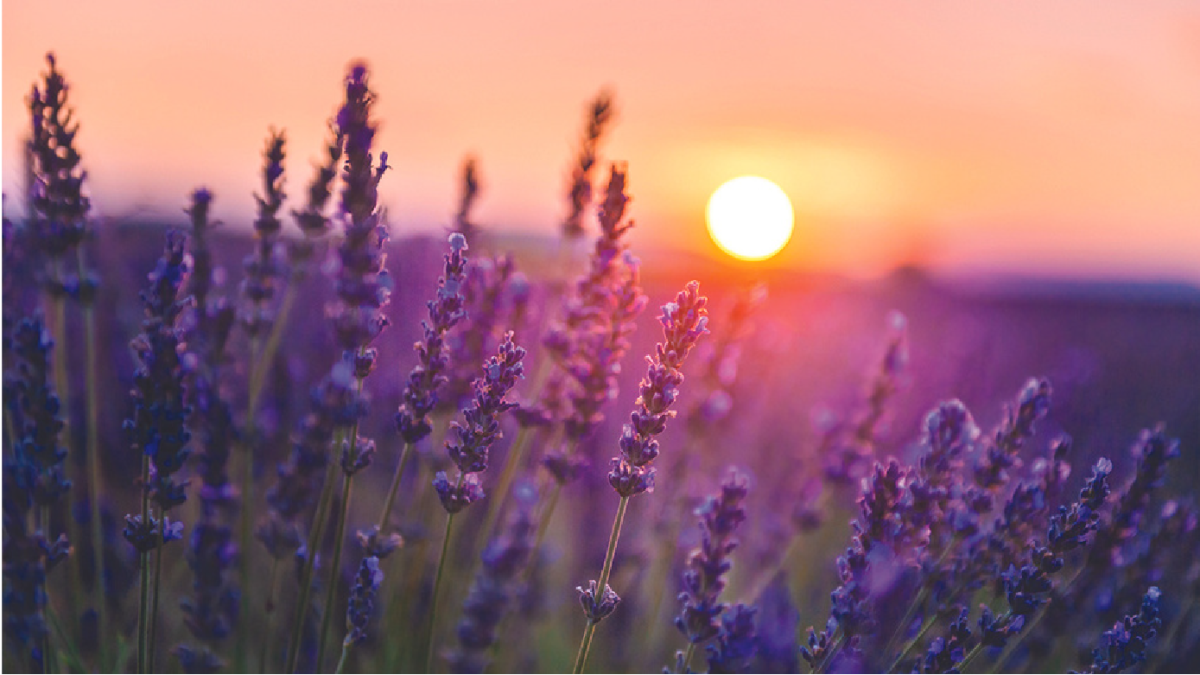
158,429
683,321
967,550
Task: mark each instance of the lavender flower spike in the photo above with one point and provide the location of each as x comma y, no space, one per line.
720,516
684,321
469,450
420,393
1125,645
362,600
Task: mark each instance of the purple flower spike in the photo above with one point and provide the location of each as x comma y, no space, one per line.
1125,645
684,321
420,393
704,579
469,449
736,642
362,600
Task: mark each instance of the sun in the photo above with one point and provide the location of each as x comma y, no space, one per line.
750,218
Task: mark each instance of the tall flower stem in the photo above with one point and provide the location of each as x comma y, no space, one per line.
269,610
341,664
339,534
263,355
685,666
95,475
144,566
155,593
437,586
314,539
388,503
512,463
589,631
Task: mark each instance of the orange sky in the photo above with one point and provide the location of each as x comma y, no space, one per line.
1058,138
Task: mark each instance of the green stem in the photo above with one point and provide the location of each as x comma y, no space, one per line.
388,503
926,626
245,521
341,664
262,365
262,358
839,639
144,565
95,481
314,540
151,644
513,462
437,587
269,610
685,667
585,644
331,589
73,658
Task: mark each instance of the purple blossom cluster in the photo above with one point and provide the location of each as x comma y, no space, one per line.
159,427
590,341
212,611
34,482
704,578
469,447
445,312
683,321
265,267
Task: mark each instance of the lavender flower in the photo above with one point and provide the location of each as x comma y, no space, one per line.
720,368
159,425
684,321
1002,452
60,207
944,654
848,448
420,393
33,480
1125,645
264,266
485,290
362,600
469,449
735,643
600,112
37,448
362,284
593,337
504,561
212,611
704,579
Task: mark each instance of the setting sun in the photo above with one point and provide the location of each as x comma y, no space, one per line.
750,218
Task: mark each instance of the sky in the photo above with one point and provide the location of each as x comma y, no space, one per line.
1011,137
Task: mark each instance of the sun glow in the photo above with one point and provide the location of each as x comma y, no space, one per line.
750,218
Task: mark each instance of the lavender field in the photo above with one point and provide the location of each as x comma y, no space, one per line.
320,444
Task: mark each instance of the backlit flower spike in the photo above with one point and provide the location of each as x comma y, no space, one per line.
446,310
470,441
683,321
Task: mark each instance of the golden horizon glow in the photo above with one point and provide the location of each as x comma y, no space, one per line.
750,218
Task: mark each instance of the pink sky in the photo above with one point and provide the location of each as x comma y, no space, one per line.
1032,137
